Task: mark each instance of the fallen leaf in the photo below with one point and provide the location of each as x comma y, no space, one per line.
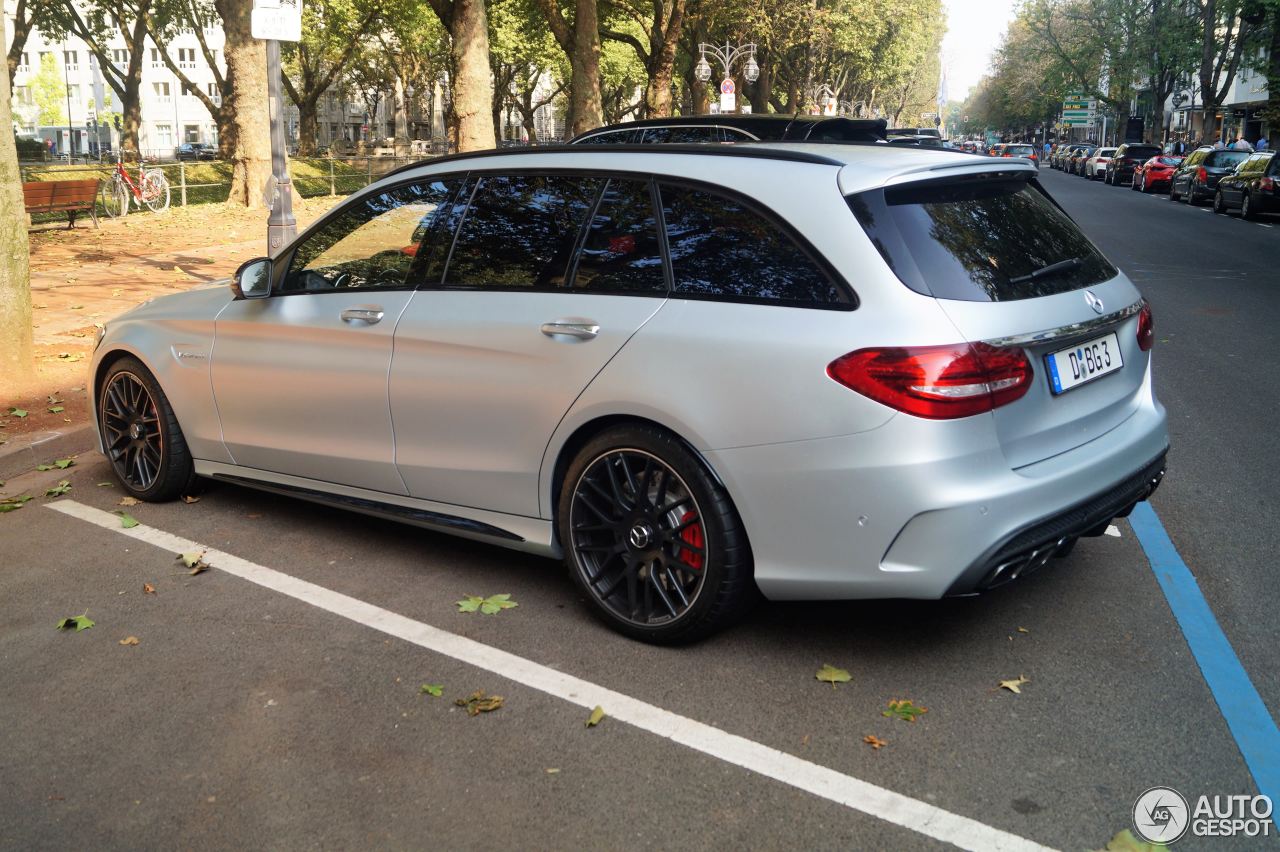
904,709
1013,685
56,409
44,467
552,770
191,558
58,490
486,606
832,675
10,504
435,690
1124,841
187,498
53,399
128,501
477,703
63,464
875,742
129,640
18,412
78,622
106,485
596,717
1023,630
127,521
148,589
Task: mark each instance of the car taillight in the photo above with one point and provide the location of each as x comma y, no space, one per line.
1267,184
1146,327
1202,175
936,382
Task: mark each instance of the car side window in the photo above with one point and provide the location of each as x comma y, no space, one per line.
621,252
722,247
520,231
617,137
379,242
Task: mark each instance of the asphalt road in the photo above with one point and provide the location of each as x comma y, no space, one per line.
246,717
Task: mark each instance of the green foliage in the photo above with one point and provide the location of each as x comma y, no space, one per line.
832,675
435,690
486,606
76,622
49,91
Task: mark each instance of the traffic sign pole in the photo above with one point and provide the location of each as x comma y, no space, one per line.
281,226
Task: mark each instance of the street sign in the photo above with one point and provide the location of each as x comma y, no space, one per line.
728,100
276,20
727,87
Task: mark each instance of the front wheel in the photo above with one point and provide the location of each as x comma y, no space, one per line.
155,191
115,198
1246,208
1219,203
652,539
141,435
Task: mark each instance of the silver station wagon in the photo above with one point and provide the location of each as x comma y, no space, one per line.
696,373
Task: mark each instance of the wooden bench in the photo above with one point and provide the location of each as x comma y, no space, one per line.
71,196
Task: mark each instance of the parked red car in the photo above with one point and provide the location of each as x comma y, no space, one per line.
1155,174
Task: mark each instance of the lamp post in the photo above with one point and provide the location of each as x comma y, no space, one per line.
728,55
408,110
66,77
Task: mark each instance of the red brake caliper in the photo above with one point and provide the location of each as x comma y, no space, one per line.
692,536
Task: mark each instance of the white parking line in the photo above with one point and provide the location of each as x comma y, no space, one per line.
769,762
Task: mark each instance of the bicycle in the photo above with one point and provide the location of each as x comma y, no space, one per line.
152,189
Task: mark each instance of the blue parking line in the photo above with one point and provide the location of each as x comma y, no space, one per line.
1254,730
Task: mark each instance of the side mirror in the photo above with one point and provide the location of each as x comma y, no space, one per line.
253,279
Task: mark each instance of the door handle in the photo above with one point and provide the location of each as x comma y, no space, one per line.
370,315
581,329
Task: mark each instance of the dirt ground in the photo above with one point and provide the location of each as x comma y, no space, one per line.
82,276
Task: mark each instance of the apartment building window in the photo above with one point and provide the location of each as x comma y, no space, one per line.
73,93
72,59
186,57
191,133
164,136
25,63
156,61
22,95
162,91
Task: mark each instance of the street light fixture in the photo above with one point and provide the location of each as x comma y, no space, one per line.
728,55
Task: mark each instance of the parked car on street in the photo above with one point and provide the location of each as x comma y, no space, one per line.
1075,165
1154,175
1197,178
1096,164
1020,150
691,371
1125,161
196,151
1251,189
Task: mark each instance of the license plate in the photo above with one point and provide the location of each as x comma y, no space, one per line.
1070,368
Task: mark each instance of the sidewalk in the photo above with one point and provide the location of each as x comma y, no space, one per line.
81,277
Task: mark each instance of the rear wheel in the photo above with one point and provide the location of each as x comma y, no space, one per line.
1246,208
115,198
1219,203
155,191
141,434
1173,196
652,539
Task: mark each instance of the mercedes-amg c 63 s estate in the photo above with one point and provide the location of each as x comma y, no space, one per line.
694,372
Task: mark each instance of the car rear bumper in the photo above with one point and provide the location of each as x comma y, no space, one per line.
921,509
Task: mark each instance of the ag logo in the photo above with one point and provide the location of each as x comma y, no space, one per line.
1161,815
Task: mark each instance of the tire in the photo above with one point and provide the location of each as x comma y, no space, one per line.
144,442
115,198
668,573
1219,203
1191,198
1133,183
155,191
1106,178
1173,196
1246,209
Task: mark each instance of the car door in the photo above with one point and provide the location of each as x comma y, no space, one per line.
300,377
548,277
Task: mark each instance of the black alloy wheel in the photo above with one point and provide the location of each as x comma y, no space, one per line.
1219,203
652,538
1246,208
141,436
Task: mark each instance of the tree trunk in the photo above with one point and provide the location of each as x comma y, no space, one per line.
21,29
472,82
588,111
247,76
131,115
16,350
308,127
657,98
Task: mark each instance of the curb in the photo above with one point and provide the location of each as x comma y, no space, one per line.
23,454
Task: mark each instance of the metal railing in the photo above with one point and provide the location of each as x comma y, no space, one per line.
209,181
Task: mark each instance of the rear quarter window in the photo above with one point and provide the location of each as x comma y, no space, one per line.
1226,159
978,239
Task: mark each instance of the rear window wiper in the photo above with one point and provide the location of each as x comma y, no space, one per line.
1052,269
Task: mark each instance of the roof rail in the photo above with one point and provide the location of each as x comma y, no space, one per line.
739,149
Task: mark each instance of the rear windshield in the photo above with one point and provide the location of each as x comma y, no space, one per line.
978,239
1141,152
1021,150
1170,161
1226,159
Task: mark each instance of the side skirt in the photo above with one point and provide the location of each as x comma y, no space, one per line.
530,535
